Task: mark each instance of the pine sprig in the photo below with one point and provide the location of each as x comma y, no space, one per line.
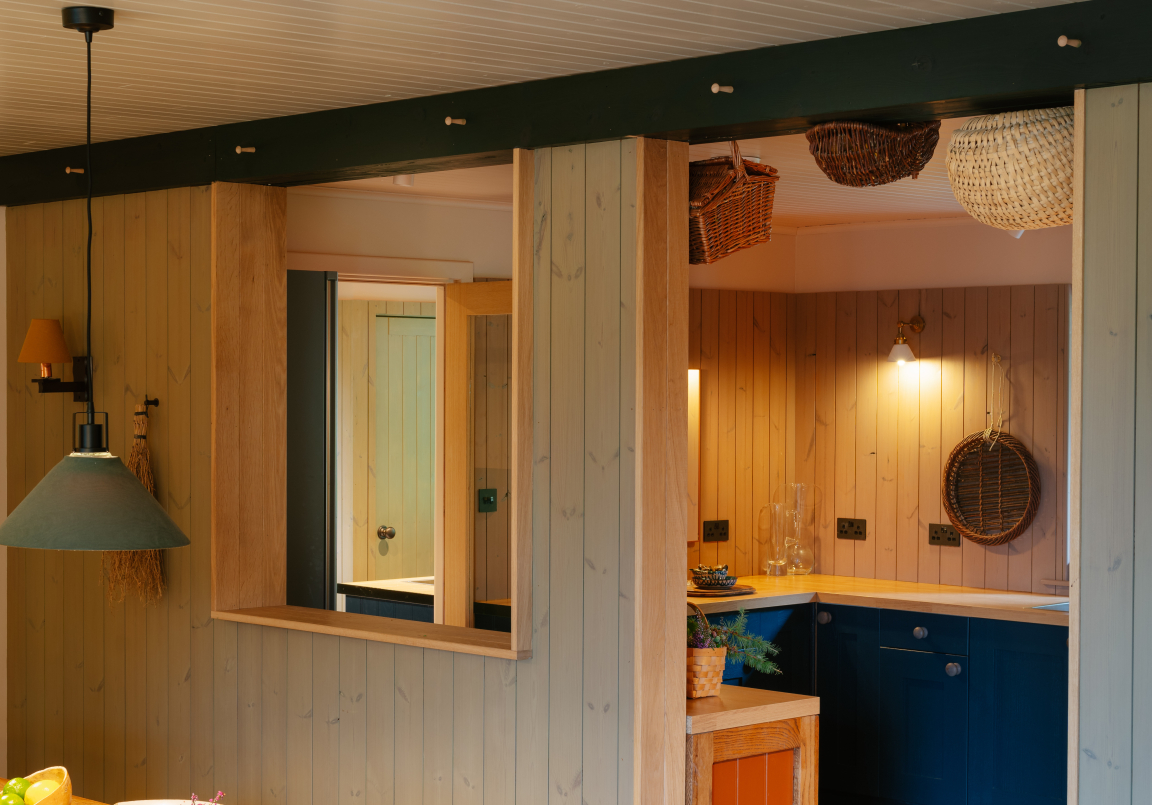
752,650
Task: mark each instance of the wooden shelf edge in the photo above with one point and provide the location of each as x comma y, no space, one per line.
380,630
1043,616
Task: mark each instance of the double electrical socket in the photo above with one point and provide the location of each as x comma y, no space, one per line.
943,534
715,530
849,528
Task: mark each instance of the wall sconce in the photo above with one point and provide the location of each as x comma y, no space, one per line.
902,353
45,345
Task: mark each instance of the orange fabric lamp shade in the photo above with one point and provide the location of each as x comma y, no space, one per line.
44,343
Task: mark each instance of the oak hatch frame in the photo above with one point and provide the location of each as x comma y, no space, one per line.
249,433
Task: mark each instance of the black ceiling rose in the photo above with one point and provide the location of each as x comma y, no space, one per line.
88,19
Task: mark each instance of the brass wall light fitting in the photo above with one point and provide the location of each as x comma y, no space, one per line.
902,353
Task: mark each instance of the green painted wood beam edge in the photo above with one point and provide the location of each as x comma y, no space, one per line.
992,63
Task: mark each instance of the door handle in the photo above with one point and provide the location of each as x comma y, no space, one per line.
385,532
952,669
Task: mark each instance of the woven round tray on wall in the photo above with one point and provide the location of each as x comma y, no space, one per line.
990,496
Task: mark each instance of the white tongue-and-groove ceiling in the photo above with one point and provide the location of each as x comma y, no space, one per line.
171,65
804,195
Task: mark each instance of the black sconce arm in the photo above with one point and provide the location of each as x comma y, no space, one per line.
78,385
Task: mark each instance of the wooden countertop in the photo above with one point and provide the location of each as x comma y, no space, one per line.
906,595
740,707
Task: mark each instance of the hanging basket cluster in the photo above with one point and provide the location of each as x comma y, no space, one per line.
1014,170
991,491
729,207
869,154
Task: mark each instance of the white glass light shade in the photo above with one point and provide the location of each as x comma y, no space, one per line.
901,353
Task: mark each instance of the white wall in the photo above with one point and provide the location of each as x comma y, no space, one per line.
947,253
329,221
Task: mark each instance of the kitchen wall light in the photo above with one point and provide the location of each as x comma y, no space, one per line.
901,353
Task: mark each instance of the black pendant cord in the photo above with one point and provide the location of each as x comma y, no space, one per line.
88,173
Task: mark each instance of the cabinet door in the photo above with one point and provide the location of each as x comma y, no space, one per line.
847,653
1019,713
923,727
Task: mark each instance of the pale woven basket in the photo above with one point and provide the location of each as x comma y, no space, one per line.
1014,170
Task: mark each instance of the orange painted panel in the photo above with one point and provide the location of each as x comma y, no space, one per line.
751,780
724,783
781,776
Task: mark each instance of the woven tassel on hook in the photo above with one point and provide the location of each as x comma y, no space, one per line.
142,571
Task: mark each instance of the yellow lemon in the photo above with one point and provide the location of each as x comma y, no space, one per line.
38,791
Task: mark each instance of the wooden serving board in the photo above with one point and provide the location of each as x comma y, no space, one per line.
734,590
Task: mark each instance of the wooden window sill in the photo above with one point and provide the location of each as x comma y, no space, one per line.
380,630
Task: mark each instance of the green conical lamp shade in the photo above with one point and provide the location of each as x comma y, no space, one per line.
90,502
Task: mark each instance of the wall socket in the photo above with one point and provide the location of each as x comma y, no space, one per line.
943,534
848,528
715,530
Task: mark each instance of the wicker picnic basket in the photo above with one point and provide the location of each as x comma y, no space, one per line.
870,154
730,206
991,492
1014,170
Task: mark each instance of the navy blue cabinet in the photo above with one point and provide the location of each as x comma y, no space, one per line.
1018,686
847,668
923,727
923,709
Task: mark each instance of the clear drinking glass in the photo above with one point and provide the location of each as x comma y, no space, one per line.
771,532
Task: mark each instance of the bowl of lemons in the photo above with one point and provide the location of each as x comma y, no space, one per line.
51,786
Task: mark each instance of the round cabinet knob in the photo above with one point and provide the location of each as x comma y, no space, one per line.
919,632
952,669
824,617
385,532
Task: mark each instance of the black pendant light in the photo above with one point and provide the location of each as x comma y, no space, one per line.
90,501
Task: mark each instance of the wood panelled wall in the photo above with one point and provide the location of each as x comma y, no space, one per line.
798,388
492,445
358,390
120,693
162,701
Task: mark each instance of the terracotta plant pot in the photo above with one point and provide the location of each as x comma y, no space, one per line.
63,794
705,671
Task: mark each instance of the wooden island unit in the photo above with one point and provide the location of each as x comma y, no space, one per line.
759,747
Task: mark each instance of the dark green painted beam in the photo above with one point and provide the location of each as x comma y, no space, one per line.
998,62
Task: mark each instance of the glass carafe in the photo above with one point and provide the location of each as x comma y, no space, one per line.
795,499
772,534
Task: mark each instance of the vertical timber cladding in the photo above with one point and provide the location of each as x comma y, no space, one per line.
1112,426
661,455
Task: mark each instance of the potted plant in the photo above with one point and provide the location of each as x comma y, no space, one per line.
708,647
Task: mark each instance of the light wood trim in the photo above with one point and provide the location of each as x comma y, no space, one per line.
693,455
885,594
520,540
698,762
461,301
438,520
249,349
1075,430
808,762
755,739
379,630
737,706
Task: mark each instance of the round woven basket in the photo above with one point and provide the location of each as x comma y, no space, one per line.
870,154
990,495
1014,170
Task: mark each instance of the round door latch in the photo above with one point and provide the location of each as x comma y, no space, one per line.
385,532
824,617
919,632
952,669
